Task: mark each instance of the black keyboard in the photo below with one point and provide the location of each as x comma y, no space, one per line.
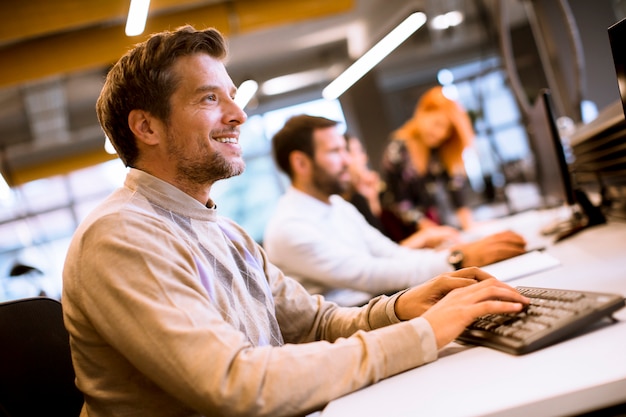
551,316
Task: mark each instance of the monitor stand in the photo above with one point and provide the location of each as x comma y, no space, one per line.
584,215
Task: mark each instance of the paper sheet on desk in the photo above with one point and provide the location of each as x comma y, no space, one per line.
522,265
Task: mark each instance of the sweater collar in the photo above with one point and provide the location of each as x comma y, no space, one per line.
168,197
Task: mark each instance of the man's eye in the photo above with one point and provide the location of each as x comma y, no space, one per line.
211,97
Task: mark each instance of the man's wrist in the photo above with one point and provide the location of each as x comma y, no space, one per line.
396,311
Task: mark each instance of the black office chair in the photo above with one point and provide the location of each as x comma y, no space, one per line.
36,372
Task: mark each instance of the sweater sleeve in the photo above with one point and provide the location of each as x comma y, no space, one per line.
362,345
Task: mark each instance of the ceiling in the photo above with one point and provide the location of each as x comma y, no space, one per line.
55,55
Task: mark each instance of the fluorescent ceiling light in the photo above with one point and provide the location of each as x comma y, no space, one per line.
5,190
445,76
108,146
245,92
372,57
320,37
137,16
450,92
357,39
295,81
447,20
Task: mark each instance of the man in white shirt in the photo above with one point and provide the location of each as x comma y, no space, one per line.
322,240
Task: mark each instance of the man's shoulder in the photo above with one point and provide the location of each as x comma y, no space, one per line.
292,204
286,210
123,212
345,209
293,219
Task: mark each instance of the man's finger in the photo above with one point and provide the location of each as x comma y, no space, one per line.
472,272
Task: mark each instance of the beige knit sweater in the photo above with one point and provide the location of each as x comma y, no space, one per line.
173,310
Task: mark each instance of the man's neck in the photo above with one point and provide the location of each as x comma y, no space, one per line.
198,191
313,192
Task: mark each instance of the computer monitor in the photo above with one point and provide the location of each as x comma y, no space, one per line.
554,176
617,39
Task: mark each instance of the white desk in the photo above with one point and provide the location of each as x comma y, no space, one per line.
584,373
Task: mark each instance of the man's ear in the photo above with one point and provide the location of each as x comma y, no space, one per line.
300,162
144,126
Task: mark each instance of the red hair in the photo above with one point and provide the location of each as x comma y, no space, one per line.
451,150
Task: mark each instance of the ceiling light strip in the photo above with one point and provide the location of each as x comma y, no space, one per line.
372,57
245,92
137,16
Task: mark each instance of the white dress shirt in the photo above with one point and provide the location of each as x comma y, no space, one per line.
332,250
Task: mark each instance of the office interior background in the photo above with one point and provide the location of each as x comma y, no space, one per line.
496,58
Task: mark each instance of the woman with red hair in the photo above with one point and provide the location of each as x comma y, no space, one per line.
426,181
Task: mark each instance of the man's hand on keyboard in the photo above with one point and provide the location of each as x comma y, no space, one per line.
492,248
418,299
450,302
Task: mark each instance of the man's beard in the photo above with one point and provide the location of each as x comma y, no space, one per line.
213,168
327,183
204,167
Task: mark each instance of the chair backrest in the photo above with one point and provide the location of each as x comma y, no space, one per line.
36,372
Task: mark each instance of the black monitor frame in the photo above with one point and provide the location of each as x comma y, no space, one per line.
554,176
553,173
617,35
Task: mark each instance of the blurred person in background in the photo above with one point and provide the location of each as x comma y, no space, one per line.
423,168
364,193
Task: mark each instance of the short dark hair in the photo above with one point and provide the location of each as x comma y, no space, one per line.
142,79
297,135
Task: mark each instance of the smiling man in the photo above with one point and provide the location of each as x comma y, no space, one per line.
173,310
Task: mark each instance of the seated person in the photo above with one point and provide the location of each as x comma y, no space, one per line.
364,193
173,310
317,237
423,166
